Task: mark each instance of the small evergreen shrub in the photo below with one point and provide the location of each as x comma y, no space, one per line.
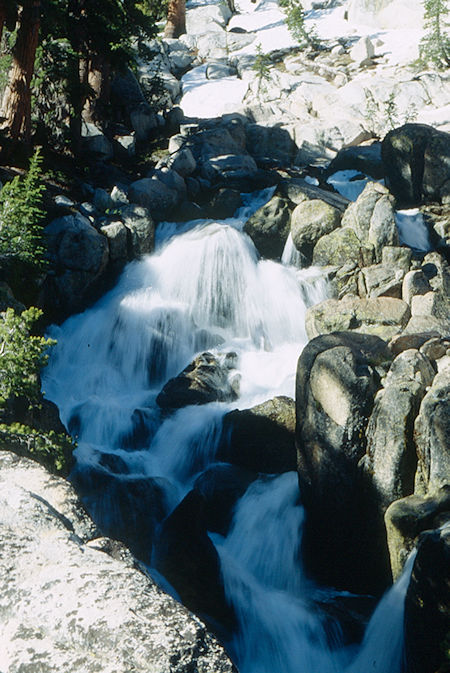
383,116
21,216
261,67
51,449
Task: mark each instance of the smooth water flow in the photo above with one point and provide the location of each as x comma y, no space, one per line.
206,289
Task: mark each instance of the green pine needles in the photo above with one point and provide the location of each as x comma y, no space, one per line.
295,21
21,216
434,48
261,67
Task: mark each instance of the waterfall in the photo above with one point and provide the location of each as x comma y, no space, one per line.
204,288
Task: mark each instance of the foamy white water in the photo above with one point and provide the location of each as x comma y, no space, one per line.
205,288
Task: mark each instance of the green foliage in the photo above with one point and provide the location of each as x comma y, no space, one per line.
434,48
21,216
51,449
295,21
21,355
56,75
261,67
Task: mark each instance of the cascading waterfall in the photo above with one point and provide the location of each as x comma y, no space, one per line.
205,288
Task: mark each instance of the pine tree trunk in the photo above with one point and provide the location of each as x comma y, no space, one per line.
99,80
79,82
176,19
17,97
2,16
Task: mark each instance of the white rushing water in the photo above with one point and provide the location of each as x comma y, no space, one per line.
205,288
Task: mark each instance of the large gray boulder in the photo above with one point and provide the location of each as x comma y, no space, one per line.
432,432
269,228
310,221
372,218
380,280
340,247
416,159
338,376
391,453
382,316
141,228
79,256
154,195
66,605
209,18
73,243
232,167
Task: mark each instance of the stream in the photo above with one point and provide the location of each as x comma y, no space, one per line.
205,288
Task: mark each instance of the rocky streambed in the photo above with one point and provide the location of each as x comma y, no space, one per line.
195,423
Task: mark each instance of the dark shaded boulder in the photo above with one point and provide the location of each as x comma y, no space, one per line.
224,203
269,228
187,558
344,541
363,158
206,379
416,160
298,190
261,439
427,605
221,485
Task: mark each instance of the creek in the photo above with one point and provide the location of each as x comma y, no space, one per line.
205,288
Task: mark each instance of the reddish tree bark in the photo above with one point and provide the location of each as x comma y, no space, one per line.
16,103
176,19
99,84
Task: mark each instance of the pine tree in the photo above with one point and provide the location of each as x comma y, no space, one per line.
435,45
16,104
295,21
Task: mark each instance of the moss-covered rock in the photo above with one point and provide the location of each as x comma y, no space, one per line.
337,248
309,222
269,228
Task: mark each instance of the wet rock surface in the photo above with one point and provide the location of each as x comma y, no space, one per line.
206,379
261,439
427,604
